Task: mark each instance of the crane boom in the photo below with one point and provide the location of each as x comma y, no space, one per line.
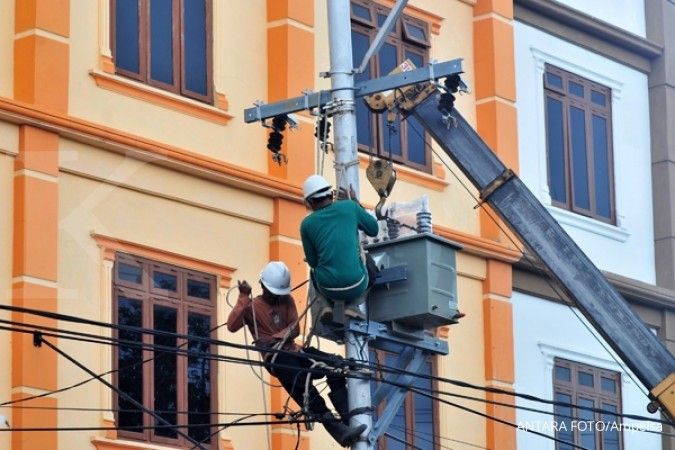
565,262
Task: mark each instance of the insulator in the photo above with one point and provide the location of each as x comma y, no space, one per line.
279,122
423,222
446,103
274,141
452,83
322,130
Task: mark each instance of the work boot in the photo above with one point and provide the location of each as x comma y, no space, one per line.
341,404
343,434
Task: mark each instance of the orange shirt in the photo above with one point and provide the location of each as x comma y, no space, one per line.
273,317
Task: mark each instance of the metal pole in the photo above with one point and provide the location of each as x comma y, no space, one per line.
342,84
346,172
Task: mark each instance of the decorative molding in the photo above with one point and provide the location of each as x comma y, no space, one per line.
432,19
148,150
617,233
479,246
104,29
564,217
592,25
550,351
106,64
588,32
160,97
106,300
119,444
110,245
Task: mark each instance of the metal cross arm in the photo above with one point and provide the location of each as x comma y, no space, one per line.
368,87
395,390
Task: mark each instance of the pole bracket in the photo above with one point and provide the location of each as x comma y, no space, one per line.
495,184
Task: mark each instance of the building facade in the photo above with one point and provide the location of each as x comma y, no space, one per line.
136,196
592,137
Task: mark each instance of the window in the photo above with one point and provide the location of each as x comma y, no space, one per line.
579,144
180,388
405,142
414,427
587,386
165,43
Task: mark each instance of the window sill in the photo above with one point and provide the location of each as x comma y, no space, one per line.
130,88
435,182
102,443
569,218
121,444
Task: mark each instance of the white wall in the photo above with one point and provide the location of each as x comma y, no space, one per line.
544,330
626,14
628,247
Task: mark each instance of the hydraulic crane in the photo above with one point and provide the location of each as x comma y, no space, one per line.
563,260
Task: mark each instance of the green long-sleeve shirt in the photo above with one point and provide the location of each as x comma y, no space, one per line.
331,243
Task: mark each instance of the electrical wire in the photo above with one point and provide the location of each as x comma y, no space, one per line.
41,341
223,428
528,257
83,382
421,393
495,419
402,441
419,434
231,359
150,427
380,367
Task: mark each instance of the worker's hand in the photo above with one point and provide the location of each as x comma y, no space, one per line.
244,287
342,193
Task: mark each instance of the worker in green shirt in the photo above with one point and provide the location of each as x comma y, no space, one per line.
330,240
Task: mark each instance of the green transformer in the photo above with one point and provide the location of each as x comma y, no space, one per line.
418,284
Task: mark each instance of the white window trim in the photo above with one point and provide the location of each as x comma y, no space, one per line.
615,232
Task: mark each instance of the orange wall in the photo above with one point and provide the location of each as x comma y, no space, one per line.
494,61
290,62
41,67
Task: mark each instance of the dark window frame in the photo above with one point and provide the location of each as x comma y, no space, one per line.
590,109
184,305
178,86
409,408
579,391
399,38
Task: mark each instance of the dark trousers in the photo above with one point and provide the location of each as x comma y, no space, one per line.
291,370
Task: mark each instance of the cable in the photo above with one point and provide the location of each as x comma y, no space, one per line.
81,383
40,340
382,368
419,434
223,428
148,427
402,441
379,367
496,419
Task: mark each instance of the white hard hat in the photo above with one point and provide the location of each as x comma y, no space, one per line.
316,186
276,278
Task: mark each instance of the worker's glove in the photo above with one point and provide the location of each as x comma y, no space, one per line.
244,287
344,195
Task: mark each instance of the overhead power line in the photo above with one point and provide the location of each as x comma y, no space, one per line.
357,365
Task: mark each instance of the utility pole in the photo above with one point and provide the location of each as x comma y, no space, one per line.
346,172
